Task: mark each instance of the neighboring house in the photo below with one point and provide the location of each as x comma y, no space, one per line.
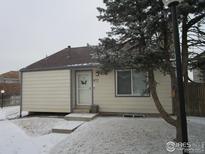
10,77
199,71
10,82
69,79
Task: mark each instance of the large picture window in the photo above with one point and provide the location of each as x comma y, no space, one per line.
131,83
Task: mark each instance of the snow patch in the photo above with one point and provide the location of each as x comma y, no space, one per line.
125,135
11,112
14,140
38,126
147,9
83,64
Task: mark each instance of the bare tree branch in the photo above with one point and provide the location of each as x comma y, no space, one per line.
195,20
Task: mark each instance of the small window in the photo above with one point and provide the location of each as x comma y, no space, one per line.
131,83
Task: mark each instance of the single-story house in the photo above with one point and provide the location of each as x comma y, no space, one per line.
10,77
70,79
10,83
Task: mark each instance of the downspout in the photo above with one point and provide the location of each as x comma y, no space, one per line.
21,77
71,91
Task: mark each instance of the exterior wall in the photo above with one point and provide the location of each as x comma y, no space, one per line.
49,91
46,91
104,96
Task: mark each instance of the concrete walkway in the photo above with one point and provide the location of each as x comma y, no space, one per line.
68,127
75,120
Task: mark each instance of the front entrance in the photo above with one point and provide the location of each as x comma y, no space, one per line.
84,87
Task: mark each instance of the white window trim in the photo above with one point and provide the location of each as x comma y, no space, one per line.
132,93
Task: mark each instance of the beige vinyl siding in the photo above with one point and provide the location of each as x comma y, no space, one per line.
104,96
46,91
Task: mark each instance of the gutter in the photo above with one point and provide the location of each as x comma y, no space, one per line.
84,65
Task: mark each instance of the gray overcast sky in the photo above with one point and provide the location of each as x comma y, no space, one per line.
30,29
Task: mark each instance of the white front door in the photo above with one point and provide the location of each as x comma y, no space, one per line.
84,87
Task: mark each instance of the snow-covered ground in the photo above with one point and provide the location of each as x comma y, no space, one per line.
13,140
38,126
116,135
103,135
11,112
30,135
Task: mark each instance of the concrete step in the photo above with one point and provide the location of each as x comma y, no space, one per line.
83,106
67,127
83,110
80,116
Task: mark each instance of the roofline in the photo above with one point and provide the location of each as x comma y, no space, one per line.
25,68
89,65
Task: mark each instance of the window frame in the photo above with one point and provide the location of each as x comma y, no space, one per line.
127,95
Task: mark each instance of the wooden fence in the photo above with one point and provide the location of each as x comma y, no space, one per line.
196,99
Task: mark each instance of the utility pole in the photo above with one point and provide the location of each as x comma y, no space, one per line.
182,113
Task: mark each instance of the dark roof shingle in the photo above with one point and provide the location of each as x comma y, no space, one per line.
63,58
10,74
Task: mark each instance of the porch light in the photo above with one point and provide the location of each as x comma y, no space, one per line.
2,98
2,91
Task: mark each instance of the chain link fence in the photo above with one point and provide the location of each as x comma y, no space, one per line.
10,101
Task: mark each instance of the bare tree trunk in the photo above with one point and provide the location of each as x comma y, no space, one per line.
176,104
163,113
174,91
170,67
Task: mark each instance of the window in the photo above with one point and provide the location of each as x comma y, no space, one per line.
131,83
123,82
